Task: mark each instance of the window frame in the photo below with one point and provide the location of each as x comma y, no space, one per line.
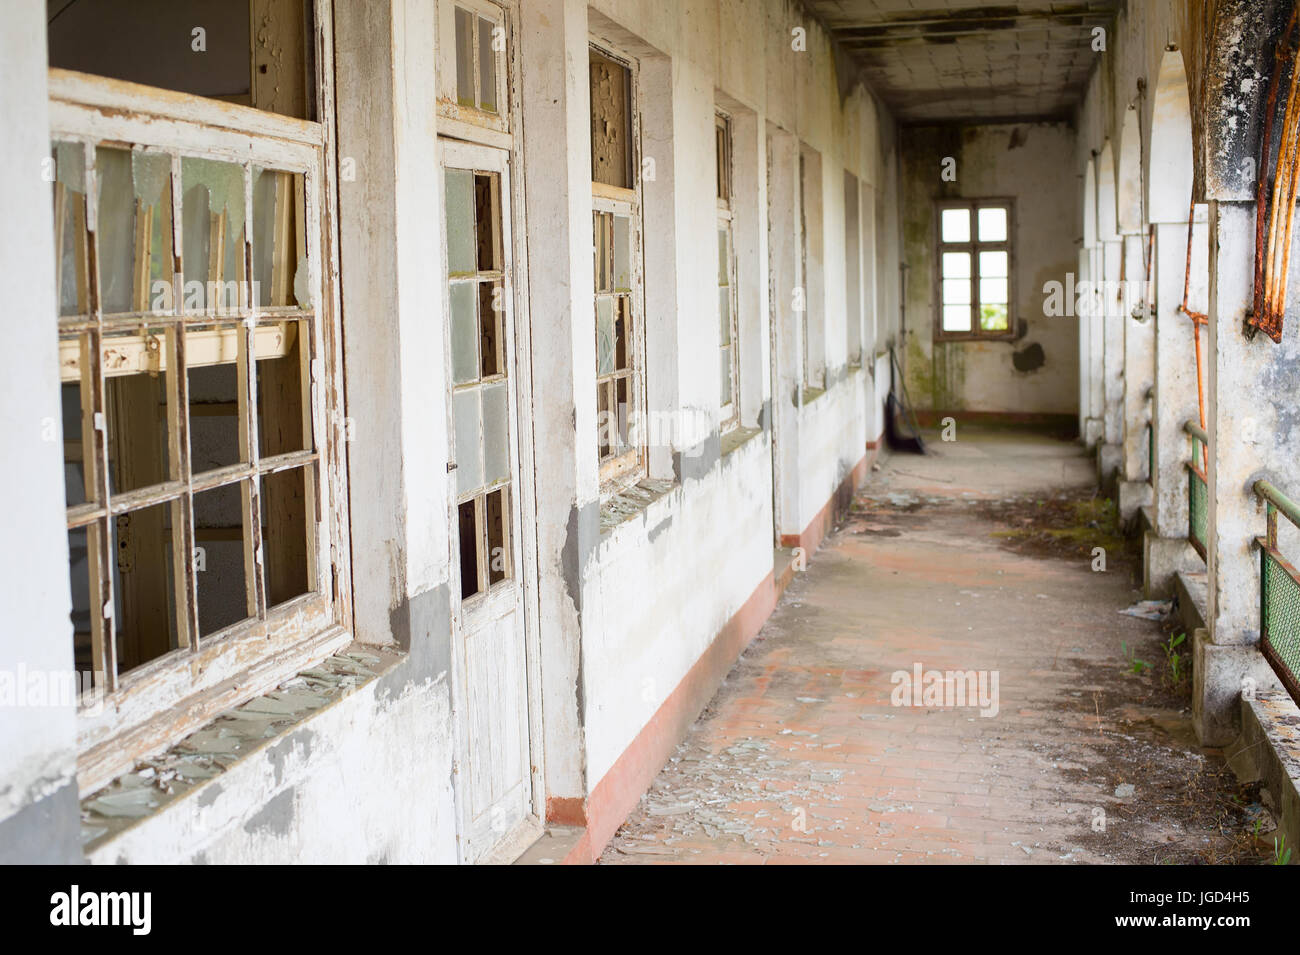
207,675
974,247
730,410
461,120
631,465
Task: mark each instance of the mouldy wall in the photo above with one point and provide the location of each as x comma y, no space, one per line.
707,545
1037,372
341,786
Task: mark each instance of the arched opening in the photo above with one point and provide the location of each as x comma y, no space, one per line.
1107,228
1128,191
1169,170
1090,205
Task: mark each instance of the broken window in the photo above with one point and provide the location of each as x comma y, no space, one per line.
728,356
974,260
616,240
810,300
193,363
472,67
477,290
252,54
852,271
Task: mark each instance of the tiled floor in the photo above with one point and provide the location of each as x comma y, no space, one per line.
802,757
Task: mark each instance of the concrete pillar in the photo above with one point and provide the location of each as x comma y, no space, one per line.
39,813
1109,455
1251,389
787,343
1091,326
1165,548
1138,377
390,223
558,184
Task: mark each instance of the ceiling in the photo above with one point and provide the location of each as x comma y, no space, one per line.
942,61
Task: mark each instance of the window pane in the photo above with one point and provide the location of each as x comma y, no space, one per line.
606,424
212,225
724,316
956,265
286,536
144,587
725,374
283,392
464,333
956,225
993,291
460,221
993,318
135,228
956,318
487,67
993,265
622,254
219,562
487,213
214,397
137,426
70,226
279,261
993,225
467,520
604,335
497,513
464,57
601,224
116,229
491,346
956,292
724,257
469,465
496,439
622,328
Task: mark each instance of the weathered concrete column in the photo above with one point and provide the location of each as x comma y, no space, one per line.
1091,370
1251,418
39,815
1165,549
783,166
1110,453
558,189
1138,378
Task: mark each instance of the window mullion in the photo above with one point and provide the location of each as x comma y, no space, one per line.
187,601
104,612
246,375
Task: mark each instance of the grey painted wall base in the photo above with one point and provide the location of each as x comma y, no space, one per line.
1130,497
1268,751
1162,558
1217,674
45,832
1109,459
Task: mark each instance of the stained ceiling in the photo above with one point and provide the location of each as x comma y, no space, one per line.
941,61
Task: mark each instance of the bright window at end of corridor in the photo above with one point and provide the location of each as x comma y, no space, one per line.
973,269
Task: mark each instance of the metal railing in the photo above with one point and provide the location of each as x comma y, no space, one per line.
1198,488
1279,592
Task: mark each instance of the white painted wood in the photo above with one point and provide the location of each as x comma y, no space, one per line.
495,792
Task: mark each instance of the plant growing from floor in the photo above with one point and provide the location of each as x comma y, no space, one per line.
1174,658
1134,664
1281,854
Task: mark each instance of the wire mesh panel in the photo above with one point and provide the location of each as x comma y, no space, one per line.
1280,616
1197,509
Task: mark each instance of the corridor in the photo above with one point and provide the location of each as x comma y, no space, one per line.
978,557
